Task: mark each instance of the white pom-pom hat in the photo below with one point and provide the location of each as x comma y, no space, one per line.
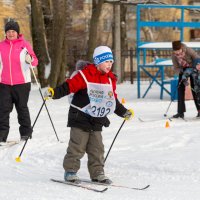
102,54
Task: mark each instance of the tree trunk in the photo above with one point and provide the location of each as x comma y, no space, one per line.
58,61
48,17
93,31
124,44
38,35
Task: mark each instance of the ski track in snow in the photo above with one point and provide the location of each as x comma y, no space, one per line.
143,153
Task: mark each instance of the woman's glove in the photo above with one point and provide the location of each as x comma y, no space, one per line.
129,114
28,58
49,93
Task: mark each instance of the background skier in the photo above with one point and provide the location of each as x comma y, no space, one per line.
15,80
183,58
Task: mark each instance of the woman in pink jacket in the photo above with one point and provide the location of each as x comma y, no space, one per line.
16,56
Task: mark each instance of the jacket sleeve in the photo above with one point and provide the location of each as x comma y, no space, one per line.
72,85
76,83
31,52
120,109
192,53
61,91
176,66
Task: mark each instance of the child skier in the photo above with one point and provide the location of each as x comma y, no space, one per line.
94,98
196,75
186,74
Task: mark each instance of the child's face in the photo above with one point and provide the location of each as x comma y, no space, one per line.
105,67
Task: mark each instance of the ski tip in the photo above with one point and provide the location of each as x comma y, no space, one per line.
144,188
105,189
141,120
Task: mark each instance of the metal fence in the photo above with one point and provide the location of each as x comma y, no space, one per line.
129,66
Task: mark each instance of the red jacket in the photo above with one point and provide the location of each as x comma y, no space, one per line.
93,75
77,85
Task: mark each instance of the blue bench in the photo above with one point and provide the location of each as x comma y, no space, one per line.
173,88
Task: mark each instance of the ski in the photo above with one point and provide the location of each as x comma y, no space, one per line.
154,120
193,119
114,185
8,144
185,119
170,119
79,185
177,119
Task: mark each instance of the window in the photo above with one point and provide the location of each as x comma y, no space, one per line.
176,28
87,1
195,20
107,24
195,34
87,25
78,4
154,27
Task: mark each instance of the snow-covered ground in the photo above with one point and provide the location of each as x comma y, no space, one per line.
143,153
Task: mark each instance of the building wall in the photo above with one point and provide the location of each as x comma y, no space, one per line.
79,30
19,10
77,34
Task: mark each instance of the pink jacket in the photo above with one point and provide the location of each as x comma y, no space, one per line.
13,68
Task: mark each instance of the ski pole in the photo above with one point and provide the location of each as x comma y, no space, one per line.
165,115
18,159
44,101
114,140
178,85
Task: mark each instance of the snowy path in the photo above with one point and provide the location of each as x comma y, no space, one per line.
144,153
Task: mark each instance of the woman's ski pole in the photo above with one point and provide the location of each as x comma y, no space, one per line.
18,159
44,101
114,140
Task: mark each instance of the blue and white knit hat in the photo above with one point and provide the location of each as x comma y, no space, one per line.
102,54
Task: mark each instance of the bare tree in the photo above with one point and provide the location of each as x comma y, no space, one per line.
39,39
124,44
58,61
47,9
93,30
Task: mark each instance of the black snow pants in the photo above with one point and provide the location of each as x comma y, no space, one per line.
181,95
17,95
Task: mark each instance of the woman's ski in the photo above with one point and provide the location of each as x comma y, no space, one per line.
8,144
79,185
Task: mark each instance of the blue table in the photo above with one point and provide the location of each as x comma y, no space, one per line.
160,66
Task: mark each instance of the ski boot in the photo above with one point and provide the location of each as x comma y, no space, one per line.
179,115
71,177
24,137
198,115
101,178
